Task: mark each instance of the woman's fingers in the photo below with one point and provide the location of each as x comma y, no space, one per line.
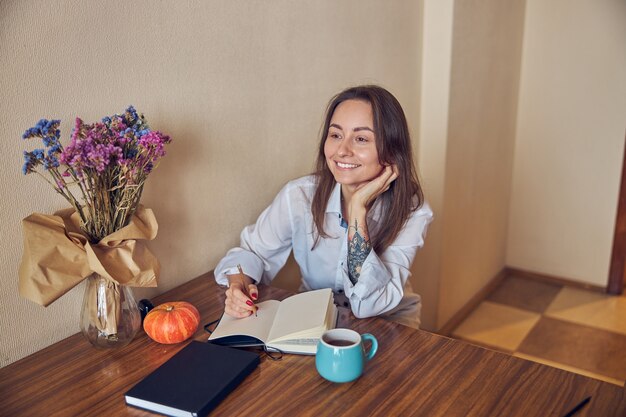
238,292
389,174
393,174
378,185
386,177
253,291
237,310
237,303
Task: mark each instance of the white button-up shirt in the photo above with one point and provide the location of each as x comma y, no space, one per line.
288,224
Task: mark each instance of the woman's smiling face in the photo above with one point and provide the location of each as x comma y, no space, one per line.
350,146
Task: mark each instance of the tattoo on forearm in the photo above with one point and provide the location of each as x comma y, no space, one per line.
358,249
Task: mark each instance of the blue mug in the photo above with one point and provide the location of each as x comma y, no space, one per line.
341,354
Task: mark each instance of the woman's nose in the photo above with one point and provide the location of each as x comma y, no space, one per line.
344,148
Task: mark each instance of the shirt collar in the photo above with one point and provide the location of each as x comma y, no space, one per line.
334,202
334,205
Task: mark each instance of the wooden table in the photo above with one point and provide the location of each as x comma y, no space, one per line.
414,373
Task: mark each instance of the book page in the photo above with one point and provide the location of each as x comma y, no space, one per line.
258,325
301,315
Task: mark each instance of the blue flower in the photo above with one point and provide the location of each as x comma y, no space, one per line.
49,141
32,132
38,154
50,125
56,148
50,163
44,128
131,113
29,163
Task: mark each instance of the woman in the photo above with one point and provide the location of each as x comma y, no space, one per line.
354,225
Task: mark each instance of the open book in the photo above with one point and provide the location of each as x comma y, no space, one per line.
293,325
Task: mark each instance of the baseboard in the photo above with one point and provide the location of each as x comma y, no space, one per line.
474,302
551,279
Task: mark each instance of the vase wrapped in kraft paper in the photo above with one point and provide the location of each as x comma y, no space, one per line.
57,257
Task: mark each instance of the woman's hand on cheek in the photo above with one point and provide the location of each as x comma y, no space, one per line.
367,192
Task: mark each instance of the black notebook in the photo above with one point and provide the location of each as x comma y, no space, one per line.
193,381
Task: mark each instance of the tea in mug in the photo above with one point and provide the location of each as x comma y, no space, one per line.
339,342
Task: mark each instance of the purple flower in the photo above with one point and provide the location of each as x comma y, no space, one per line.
104,160
101,156
153,144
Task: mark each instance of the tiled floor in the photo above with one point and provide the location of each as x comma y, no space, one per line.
577,330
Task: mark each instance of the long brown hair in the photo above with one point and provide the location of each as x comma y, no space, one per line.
393,144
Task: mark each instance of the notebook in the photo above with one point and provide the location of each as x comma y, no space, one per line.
293,325
193,381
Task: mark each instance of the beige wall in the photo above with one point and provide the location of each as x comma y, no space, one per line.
471,53
521,139
570,139
436,44
240,85
486,53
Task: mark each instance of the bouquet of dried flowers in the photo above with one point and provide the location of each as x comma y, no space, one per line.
101,173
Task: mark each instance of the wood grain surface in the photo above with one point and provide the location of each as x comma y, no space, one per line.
414,373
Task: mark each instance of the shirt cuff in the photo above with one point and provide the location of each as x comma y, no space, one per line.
249,266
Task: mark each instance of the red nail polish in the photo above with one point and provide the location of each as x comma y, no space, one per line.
249,303
254,296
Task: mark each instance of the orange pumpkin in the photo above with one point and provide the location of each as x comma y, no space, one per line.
172,322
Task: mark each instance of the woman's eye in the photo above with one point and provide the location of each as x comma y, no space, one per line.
361,139
333,135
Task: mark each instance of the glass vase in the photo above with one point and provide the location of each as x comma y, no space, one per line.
110,317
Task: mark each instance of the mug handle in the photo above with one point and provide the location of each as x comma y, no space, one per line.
373,348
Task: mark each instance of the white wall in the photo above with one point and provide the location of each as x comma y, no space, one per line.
240,86
570,138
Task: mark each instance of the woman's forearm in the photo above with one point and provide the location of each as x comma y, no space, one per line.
359,245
